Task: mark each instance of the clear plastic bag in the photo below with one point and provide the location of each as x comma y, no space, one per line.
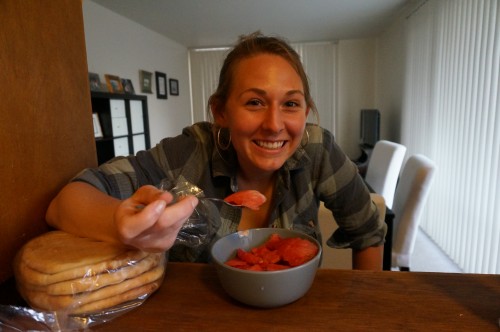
78,300
15,318
72,283
200,228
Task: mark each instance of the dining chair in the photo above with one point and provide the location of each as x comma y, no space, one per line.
384,167
409,200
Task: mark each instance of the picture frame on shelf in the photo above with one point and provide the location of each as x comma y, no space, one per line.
97,126
145,80
174,86
161,85
128,87
114,83
95,82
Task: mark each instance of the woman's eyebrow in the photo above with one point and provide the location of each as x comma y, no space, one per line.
292,92
263,92
255,90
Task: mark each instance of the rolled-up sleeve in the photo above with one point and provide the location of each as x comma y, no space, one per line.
116,178
346,195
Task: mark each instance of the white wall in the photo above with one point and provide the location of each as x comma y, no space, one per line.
389,79
118,46
356,68
370,74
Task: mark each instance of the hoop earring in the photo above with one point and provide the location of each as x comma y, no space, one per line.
307,139
219,144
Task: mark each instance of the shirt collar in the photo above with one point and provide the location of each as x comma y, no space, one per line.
225,163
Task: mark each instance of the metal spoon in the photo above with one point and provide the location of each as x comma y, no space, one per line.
220,200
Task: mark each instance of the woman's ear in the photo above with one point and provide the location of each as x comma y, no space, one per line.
218,114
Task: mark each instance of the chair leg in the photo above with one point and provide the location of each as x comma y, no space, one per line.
404,269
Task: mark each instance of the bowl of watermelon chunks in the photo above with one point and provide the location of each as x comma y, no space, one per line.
266,267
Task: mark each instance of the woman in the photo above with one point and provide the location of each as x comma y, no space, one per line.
259,140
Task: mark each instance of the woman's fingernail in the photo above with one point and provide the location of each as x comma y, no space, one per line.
194,202
160,206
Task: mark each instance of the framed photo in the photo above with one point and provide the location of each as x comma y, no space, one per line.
161,85
95,82
145,80
174,86
128,88
97,125
114,83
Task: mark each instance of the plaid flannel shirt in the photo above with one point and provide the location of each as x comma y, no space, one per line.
317,171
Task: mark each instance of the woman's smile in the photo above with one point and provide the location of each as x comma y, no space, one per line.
270,145
265,113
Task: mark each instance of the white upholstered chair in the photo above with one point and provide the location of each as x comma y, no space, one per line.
384,167
409,200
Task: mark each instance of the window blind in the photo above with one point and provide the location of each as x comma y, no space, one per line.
204,67
451,113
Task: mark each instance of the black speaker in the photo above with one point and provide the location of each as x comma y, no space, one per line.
370,127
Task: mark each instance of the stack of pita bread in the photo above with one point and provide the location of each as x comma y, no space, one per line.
59,271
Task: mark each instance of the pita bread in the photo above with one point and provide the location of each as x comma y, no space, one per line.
129,289
137,293
91,282
26,274
60,271
57,251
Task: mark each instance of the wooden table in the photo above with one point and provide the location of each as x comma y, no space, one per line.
191,299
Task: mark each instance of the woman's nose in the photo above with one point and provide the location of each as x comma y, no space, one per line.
273,120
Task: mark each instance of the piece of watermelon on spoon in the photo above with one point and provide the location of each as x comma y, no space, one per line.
251,199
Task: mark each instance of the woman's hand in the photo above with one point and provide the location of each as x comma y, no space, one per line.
147,221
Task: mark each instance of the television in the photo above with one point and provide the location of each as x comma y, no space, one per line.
370,127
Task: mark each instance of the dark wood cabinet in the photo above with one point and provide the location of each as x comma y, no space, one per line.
124,124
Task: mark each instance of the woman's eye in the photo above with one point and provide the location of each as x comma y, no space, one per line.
254,102
292,104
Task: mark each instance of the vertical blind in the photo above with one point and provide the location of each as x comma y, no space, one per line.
451,113
318,60
204,67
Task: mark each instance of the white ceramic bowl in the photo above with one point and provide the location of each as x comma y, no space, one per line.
265,289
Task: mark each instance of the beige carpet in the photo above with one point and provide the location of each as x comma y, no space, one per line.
426,257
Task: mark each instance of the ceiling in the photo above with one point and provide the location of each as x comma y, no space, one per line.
211,23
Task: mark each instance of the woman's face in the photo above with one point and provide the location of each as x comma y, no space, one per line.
265,112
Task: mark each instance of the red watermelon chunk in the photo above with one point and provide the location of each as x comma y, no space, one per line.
249,257
296,251
236,262
251,199
275,254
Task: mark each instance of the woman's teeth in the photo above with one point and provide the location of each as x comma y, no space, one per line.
270,145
